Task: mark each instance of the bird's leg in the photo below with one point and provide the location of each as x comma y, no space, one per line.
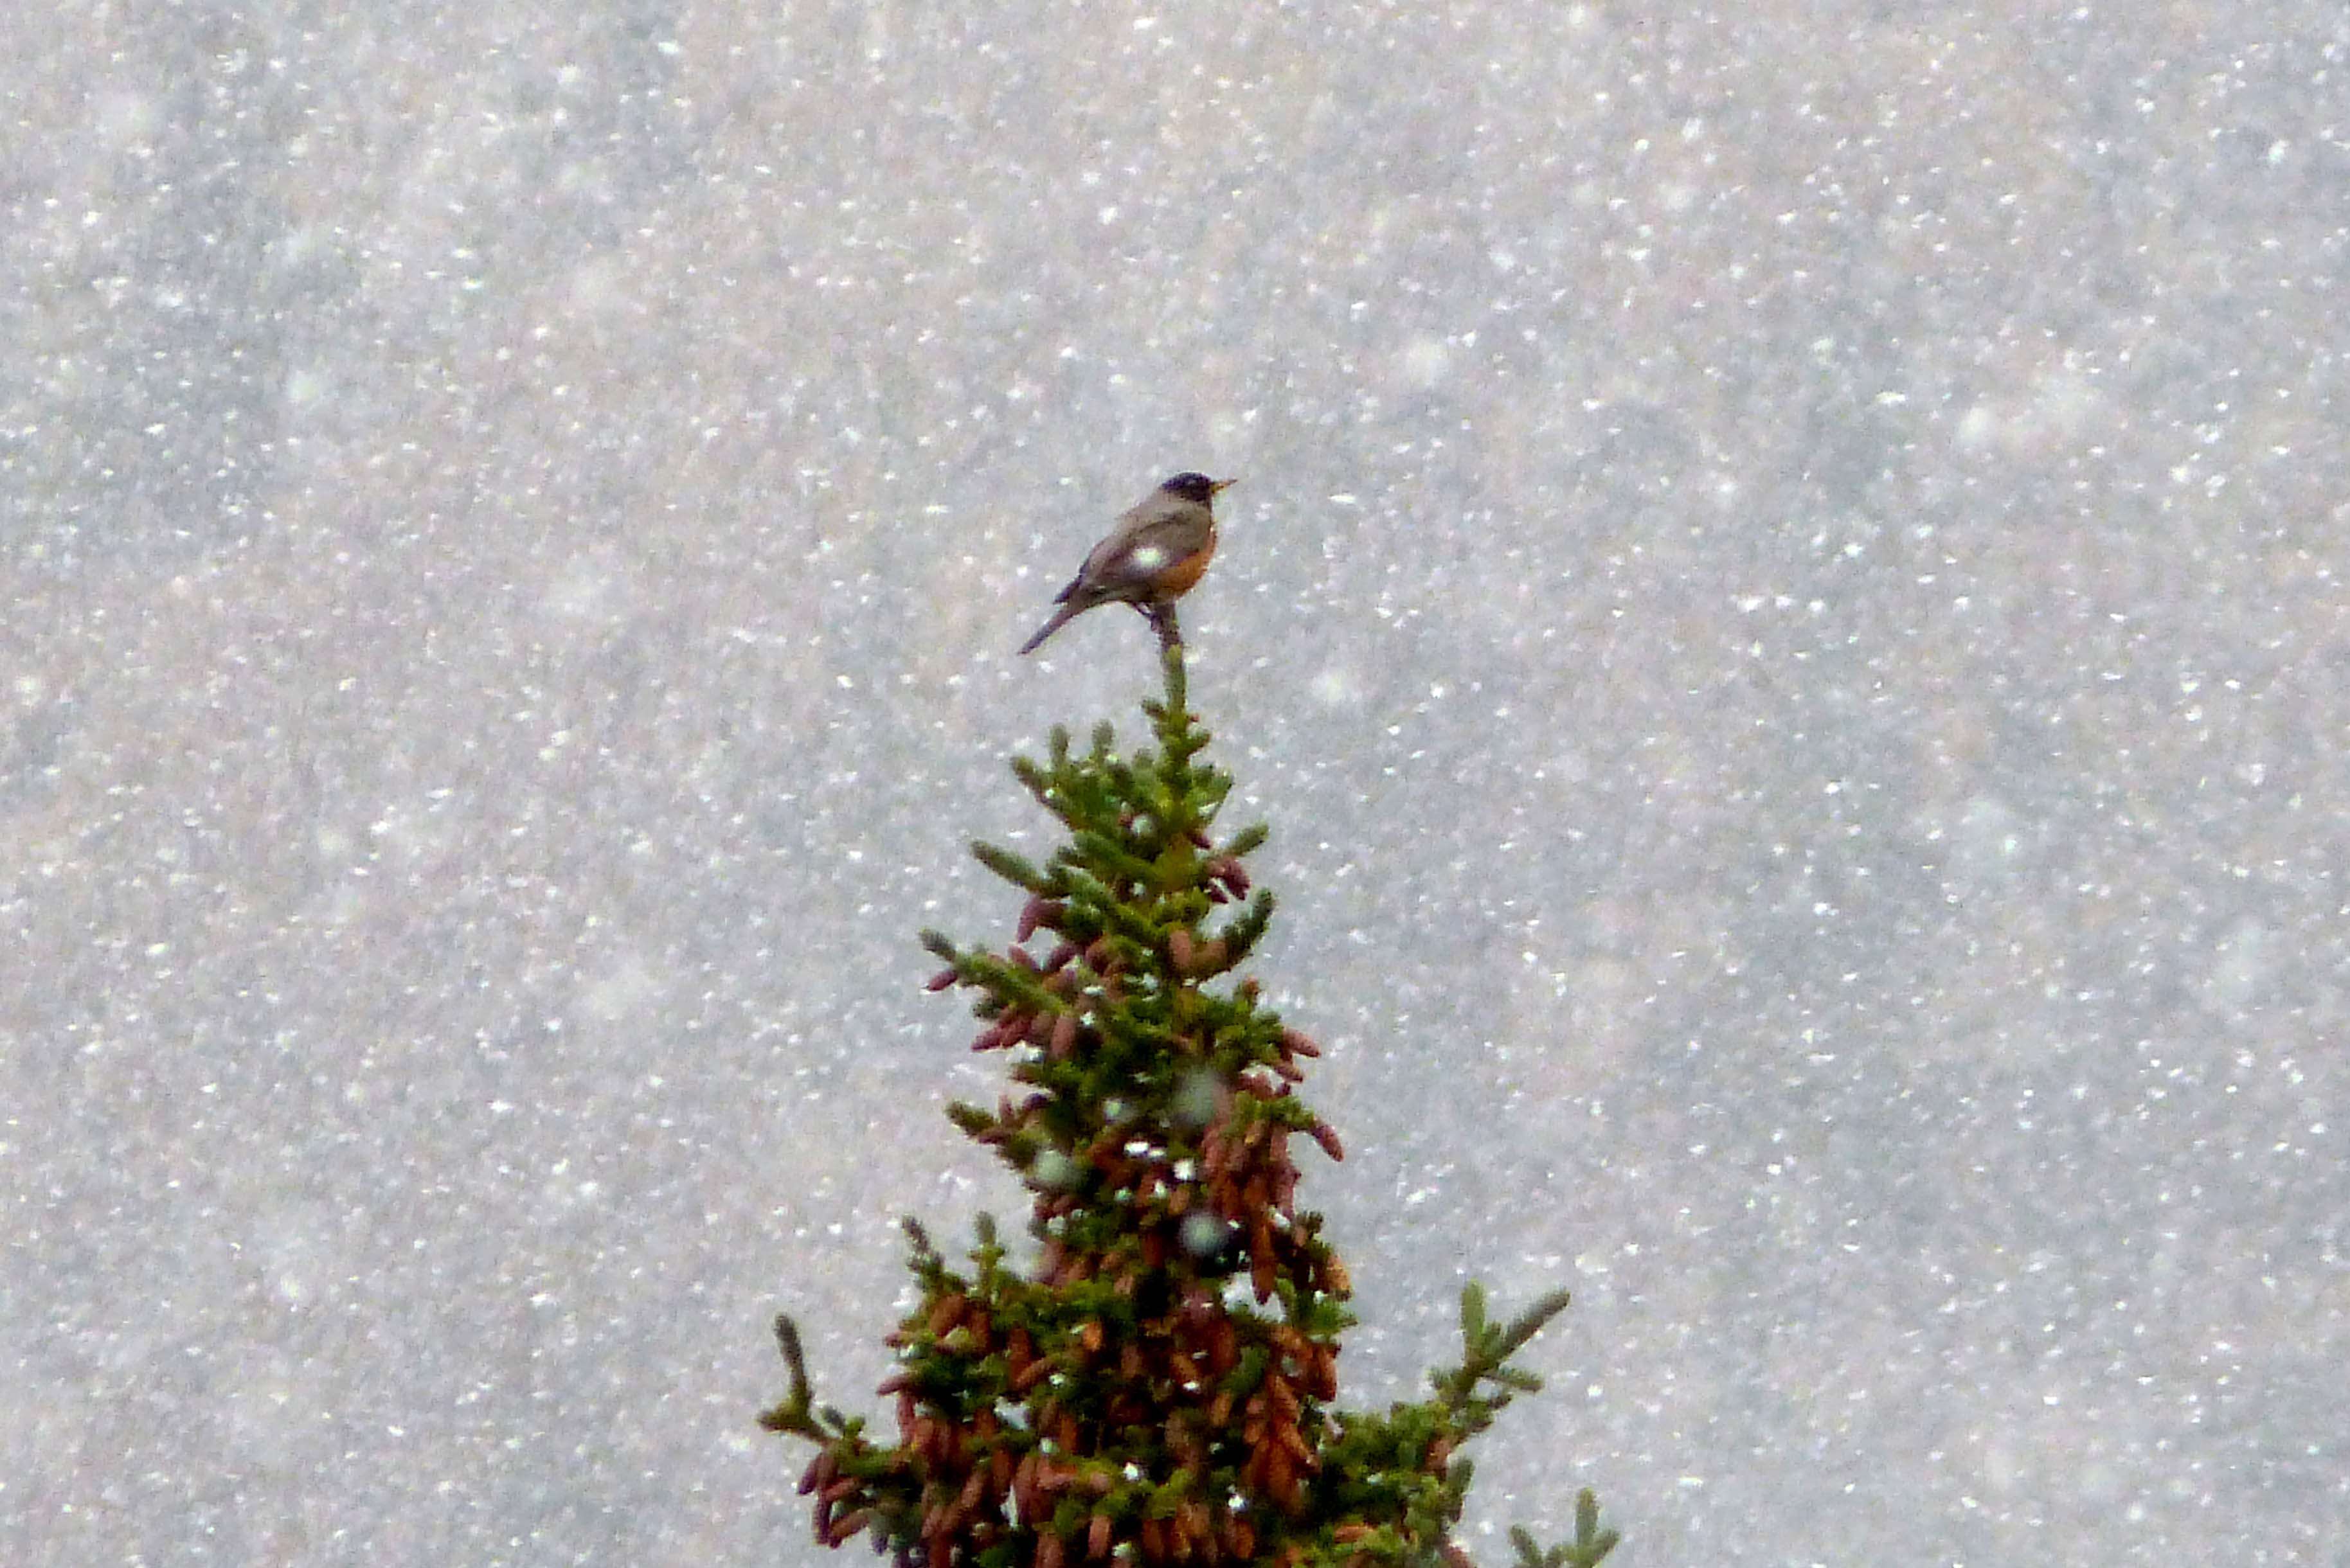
1162,621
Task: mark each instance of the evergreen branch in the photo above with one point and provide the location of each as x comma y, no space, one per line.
792,1414
798,1413
1006,984
1039,780
1248,926
1011,867
1530,1322
1590,1544
1485,1350
1171,662
1590,1540
1104,852
1099,899
988,1253
929,1263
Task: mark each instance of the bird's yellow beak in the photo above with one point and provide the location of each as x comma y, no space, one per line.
1217,486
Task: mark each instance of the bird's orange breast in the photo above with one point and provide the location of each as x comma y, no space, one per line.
1181,577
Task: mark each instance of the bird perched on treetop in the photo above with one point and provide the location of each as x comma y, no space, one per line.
1153,558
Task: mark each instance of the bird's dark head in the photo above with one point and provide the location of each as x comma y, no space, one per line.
1194,487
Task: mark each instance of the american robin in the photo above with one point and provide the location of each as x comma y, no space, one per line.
1158,551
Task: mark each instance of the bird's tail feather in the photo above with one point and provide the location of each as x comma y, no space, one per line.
1061,617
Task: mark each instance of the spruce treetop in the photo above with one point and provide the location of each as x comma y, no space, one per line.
1156,1386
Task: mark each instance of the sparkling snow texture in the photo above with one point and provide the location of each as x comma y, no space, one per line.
1785,606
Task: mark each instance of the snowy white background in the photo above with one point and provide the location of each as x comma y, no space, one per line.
1785,608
